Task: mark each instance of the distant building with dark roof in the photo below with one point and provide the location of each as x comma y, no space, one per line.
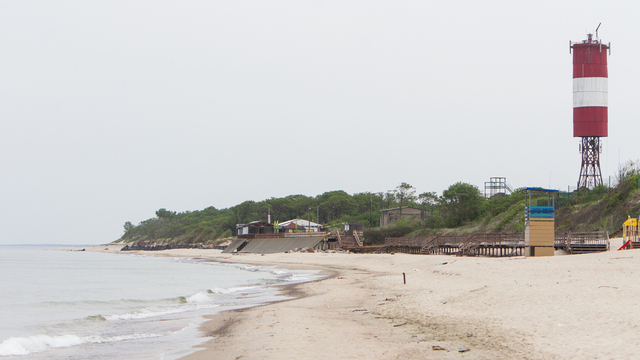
392,215
254,227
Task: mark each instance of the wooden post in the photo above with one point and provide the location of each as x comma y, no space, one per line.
404,278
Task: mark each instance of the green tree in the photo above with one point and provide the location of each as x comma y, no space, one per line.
404,192
243,211
165,214
337,204
128,226
279,209
387,199
462,202
428,199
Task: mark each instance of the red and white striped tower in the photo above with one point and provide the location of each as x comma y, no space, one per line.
590,101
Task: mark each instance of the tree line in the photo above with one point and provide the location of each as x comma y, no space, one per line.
460,203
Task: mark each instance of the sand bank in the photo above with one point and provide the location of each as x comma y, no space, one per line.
563,307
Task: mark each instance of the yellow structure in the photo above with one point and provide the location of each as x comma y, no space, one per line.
540,235
539,230
629,233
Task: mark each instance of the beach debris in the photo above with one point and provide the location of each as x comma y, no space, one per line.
445,263
464,350
404,278
436,348
605,286
402,324
359,310
469,335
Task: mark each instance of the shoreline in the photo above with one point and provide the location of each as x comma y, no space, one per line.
219,323
563,307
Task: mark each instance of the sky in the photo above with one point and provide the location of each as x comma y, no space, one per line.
110,110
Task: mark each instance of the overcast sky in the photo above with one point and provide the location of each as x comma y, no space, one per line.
110,110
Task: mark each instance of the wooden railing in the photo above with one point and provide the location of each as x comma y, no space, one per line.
452,242
592,237
491,239
300,234
490,244
287,234
564,239
403,241
355,235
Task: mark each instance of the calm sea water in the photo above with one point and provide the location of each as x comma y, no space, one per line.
77,305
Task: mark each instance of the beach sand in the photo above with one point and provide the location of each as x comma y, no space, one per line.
562,307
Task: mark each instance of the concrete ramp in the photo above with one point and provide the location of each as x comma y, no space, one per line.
235,244
277,245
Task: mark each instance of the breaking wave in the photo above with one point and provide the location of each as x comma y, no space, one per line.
197,301
231,290
38,343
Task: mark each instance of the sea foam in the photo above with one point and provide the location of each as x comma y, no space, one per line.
37,343
194,302
231,290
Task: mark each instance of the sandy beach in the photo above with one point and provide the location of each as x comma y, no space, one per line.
562,307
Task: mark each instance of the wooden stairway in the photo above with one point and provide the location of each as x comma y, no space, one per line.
346,240
587,248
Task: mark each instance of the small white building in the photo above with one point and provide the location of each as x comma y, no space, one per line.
300,224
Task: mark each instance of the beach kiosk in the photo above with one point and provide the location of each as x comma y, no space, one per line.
539,222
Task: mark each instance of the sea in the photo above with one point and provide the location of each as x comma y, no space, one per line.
58,303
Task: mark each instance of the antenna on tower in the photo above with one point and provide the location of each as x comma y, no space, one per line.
597,30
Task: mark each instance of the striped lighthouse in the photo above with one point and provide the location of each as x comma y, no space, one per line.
590,105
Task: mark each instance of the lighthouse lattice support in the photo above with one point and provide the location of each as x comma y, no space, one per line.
590,175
